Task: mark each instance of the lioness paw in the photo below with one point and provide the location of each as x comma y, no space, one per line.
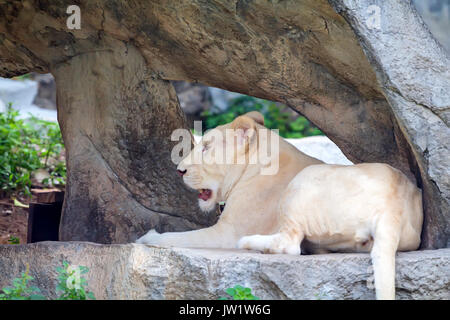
244,243
276,243
256,242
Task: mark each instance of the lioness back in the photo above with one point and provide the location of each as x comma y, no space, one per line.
338,206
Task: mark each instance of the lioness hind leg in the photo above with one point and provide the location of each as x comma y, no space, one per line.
386,239
276,243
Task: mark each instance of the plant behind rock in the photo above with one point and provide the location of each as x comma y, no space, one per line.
276,116
26,146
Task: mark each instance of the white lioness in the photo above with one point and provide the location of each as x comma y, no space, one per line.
306,206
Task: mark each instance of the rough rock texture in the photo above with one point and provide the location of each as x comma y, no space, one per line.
116,150
436,14
194,98
382,95
414,73
140,272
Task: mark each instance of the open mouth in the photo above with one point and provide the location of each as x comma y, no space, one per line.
204,194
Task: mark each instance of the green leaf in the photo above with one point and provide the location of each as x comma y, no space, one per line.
7,290
231,291
60,287
239,292
17,203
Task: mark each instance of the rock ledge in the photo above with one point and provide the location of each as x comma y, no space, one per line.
132,271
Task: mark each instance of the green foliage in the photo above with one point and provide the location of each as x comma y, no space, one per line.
239,293
19,204
320,296
26,76
14,240
57,174
17,154
21,290
25,146
274,117
71,284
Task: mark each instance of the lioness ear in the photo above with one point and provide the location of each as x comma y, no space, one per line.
257,116
245,129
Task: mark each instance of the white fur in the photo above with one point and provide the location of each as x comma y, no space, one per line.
319,208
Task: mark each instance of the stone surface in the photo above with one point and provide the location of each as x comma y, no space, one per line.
436,14
322,148
46,95
382,95
222,98
194,98
413,70
122,181
134,271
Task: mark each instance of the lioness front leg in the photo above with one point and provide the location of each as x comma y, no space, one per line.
220,235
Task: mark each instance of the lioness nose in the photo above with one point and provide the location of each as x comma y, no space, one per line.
181,172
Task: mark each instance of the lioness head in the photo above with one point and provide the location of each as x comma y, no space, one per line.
218,161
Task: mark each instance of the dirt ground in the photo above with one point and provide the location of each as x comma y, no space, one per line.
13,220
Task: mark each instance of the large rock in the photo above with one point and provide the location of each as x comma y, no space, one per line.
436,14
322,148
140,272
122,181
46,95
380,93
413,71
194,98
